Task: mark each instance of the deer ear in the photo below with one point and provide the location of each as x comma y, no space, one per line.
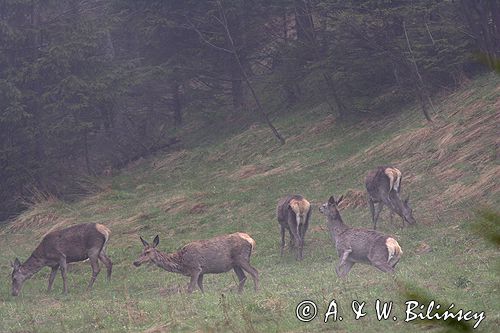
156,241
16,264
144,242
340,199
331,201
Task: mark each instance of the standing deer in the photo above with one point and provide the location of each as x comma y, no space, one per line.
60,247
212,256
359,245
384,185
294,212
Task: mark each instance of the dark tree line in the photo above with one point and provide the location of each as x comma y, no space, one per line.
90,85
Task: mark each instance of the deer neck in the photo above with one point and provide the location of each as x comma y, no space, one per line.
31,266
170,262
395,203
336,226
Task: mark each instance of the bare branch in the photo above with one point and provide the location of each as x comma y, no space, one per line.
206,41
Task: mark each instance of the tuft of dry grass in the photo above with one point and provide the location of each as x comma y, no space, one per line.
170,160
353,199
182,203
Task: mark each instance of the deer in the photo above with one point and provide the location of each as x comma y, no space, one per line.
211,256
383,185
293,213
60,247
359,245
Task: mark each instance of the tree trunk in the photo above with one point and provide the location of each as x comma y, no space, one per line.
244,75
86,152
304,22
234,25
176,103
236,87
340,105
423,93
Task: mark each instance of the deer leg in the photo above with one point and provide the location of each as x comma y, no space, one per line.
94,263
63,266
298,241
303,229
241,278
52,276
394,261
372,209
384,267
292,240
344,270
377,213
342,262
282,240
252,271
200,282
194,280
107,262
301,240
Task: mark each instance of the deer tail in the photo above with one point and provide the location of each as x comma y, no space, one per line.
393,248
102,229
300,208
394,176
247,238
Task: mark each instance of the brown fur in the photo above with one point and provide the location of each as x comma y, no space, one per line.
212,256
383,185
359,245
58,248
293,213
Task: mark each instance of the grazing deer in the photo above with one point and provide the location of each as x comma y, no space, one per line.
359,245
60,247
212,256
294,212
383,185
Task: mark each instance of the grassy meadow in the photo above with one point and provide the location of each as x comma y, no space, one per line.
232,183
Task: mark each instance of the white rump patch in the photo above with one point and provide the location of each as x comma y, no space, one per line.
103,230
247,238
393,248
394,178
300,208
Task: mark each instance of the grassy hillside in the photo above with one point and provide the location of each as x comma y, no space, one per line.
450,166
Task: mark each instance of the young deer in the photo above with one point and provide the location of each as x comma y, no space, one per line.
294,212
60,247
212,256
357,245
383,185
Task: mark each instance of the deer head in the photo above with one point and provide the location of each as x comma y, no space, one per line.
148,253
330,208
402,208
18,277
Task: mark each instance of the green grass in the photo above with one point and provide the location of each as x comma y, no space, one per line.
233,183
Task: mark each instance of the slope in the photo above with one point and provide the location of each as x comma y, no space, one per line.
450,166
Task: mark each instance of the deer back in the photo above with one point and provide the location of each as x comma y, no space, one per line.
74,242
377,183
363,243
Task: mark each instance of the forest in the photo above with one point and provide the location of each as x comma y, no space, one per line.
90,86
